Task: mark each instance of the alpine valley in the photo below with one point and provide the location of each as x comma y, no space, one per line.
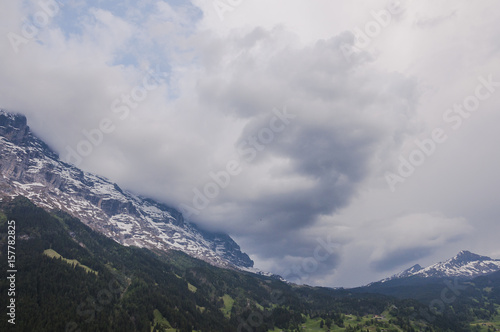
90,256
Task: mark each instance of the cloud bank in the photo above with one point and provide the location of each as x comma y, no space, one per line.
262,127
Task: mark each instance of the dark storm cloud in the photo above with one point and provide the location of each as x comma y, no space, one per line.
316,178
347,116
400,257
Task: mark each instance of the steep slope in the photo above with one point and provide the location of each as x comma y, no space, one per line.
131,289
28,167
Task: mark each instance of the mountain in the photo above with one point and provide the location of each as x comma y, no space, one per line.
30,168
465,265
427,284
406,273
93,257
71,278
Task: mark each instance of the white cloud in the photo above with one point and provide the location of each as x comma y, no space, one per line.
324,173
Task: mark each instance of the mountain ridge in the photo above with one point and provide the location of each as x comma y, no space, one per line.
464,265
30,168
132,289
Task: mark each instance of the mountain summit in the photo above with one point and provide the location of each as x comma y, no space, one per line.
465,256
30,168
465,265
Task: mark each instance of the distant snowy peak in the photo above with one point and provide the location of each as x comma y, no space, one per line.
404,274
464,265
30,168
411,271
465,256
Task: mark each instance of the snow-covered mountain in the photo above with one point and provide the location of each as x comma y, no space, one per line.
464,265
28,167
406,273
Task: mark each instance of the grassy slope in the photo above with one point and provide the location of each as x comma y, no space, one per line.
485,324
73,262
228,305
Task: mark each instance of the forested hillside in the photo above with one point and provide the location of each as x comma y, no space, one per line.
71,278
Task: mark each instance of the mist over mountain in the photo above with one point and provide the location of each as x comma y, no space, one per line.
218,296
30,168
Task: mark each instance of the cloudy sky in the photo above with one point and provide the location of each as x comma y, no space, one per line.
338,142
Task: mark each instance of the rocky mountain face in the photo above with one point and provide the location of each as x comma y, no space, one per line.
465,265
28,167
